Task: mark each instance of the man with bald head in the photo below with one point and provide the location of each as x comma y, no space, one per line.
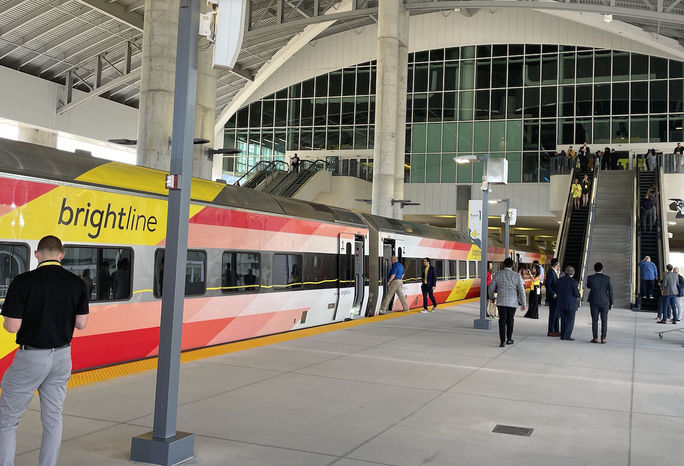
394,284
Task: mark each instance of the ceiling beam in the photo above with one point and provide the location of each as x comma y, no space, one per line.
113,84
116,11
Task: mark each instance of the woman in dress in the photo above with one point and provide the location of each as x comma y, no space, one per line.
586,185
576,190
535,289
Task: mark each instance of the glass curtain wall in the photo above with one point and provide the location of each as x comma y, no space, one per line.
523,102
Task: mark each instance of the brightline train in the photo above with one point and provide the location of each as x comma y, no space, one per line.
257,264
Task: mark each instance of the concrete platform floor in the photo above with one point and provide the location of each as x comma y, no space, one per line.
419,389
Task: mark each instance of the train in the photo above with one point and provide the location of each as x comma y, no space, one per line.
257,264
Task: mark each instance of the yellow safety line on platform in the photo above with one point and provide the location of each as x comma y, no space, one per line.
106,373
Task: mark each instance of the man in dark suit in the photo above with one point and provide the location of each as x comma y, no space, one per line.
427,285
600,301
551,284
568,300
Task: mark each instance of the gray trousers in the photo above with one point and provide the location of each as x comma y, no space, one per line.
47,371
394,287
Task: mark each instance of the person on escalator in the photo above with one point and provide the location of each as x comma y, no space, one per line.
649,273
294,163
583,157
646,213
586,185
576,190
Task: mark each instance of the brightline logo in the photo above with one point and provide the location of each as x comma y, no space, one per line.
84,216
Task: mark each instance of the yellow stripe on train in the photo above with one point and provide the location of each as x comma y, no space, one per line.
460,290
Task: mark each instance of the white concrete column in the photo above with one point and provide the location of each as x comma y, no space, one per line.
155,118
37,136
386,111
205,107
402,64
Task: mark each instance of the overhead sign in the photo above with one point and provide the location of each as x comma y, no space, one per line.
230,29
475,221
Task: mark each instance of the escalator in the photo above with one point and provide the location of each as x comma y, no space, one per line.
260,172
293,182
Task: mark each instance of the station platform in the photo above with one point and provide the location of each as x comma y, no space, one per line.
405,389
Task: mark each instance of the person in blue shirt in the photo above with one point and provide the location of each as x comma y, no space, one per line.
649,273
394,284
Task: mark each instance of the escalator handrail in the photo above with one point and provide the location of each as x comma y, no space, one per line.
254,169
314,166
634,238
660,227
272,164
586,256
563,233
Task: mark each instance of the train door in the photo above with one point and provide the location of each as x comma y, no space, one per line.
386,265
351,288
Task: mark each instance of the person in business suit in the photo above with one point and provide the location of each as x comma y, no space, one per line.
551,285
568,300
427,285
600,301
510,292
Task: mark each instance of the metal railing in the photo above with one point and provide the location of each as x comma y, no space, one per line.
562,165
307,169
271,165
673,163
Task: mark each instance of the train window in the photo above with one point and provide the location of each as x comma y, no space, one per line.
240,271
462,269
287,271
472,269
346,272
320,271
107,272
14,259
439,268
195,272
413,271
453,270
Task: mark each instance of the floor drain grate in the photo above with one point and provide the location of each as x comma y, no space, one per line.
513,430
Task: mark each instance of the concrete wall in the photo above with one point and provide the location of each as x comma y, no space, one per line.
343,192
34,101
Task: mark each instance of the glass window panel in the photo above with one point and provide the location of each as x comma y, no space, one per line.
530,168
423,55
532,70
435,105
484,51
602,99
320,109
287,271
243,117
497,136
105,271
515,72
499,67
240,271
639,98
676,95
306,139
583,130
547,48
195,272
466,104
449,135
532,49
620,66
477,171
437,55
676,126
230,124
548,101
373,79
549,69
420,103
281,112
332,138
468,52
409,78
308,88
514,166
567,68
620,98
296,90
417,168
335,83
531,134
346,137
334,111
584,102
585,67
281,94
465,137
434,138
348,110
638,131
371,137
547,136
450,106
544,167
448,168
639,68
658,68
229,139
658,98
531,102
464,173
420,80
516,49
602,66
267,113
514,135
322,85
602,130
363,81
418,138
567,48
484,68
360,137
451,76
467,74
293,139
307,112
676,69
514,103
482,105
658,129
433,166
255,114
620,131
436,76
566,99
566,131
371,110
481,137
319,137
349,81
451,53
500,50
361,113
498,104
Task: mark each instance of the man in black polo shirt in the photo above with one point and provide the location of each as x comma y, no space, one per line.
42,307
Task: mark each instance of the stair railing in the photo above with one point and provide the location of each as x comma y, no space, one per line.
586,256
634,239
565,225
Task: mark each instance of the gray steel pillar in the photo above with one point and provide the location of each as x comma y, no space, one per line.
386,107
155,118
483,323
402,70
164,445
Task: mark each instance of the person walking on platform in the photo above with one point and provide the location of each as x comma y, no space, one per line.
42,307
510,292
551,285
428,284
600,301
394,284
649,273
492,311
668,298
568,301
